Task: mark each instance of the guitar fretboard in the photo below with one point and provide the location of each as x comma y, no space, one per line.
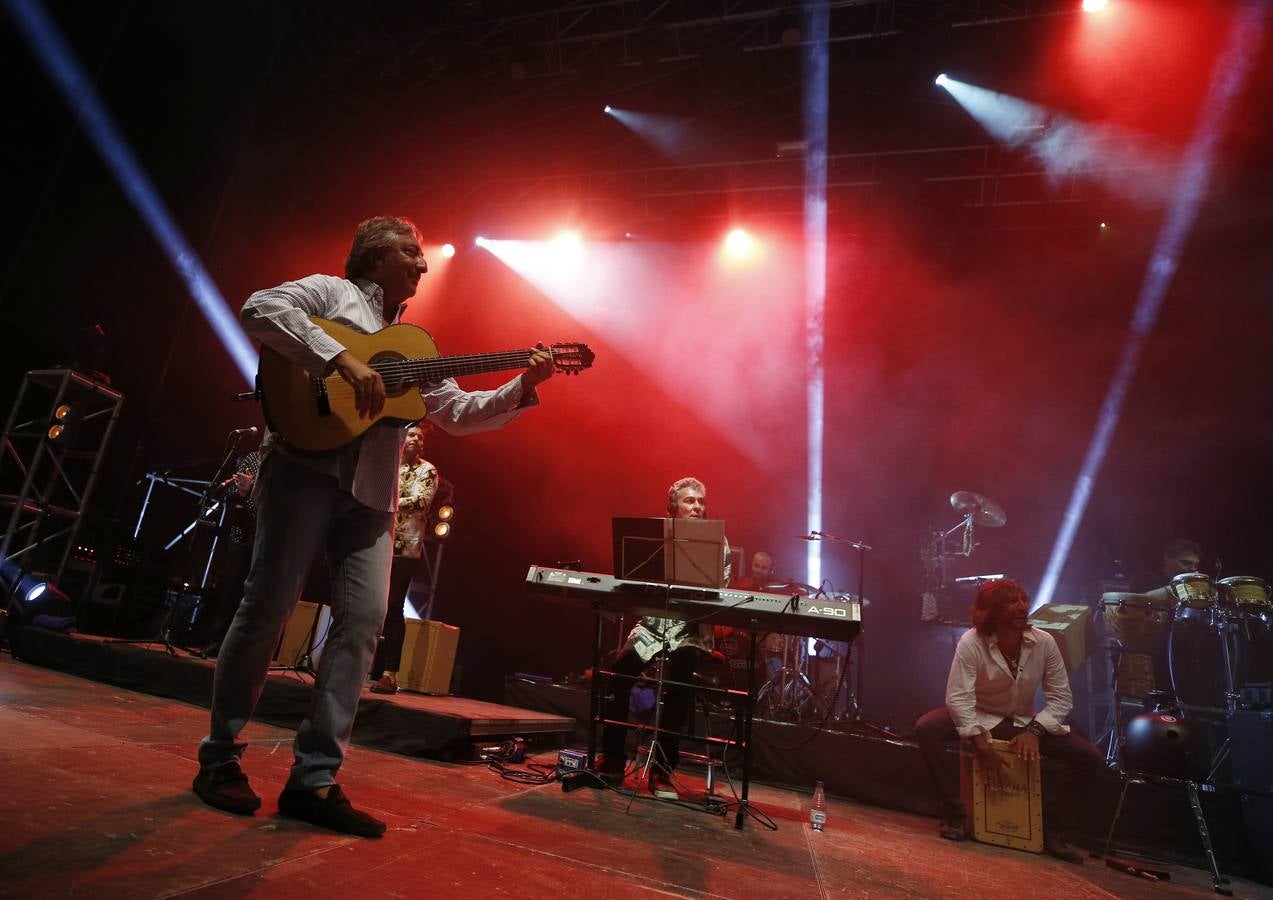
422,371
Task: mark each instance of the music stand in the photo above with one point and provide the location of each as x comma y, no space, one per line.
681,552
670,551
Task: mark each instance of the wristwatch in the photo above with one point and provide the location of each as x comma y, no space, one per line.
1036,729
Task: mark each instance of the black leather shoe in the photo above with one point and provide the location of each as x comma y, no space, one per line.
333,811
227,788
954,830
1058,849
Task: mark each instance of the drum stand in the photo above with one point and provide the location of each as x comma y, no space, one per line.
853,700
1231,694
790,685
1191,789
1112,731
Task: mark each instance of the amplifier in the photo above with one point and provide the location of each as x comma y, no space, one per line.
428,657
301,636
1251,749
1072,628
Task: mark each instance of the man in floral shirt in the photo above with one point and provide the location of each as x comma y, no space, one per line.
417,486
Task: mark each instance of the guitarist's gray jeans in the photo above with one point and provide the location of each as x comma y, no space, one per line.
300,512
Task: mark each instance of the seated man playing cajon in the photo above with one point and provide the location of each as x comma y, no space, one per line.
999,665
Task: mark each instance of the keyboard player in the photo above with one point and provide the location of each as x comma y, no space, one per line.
683,646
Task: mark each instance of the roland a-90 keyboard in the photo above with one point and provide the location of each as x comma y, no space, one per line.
837,620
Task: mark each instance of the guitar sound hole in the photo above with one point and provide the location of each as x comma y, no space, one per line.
392,375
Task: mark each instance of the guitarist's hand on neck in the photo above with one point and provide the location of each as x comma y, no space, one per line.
539,370
369,388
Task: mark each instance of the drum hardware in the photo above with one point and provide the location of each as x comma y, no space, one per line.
788,694
974,510
1134,622
853,699
185,597
1153,728
1201,625
1218,640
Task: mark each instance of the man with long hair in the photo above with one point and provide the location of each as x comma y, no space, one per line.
1000,664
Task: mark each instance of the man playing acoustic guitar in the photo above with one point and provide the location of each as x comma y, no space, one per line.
340,500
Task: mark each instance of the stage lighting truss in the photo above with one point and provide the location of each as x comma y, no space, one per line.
57,431
551,40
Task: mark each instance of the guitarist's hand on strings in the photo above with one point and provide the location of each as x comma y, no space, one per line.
369,388
539,369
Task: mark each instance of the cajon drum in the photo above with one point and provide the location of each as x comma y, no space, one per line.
428,657
1012,817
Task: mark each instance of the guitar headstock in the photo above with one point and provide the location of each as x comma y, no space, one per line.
571,357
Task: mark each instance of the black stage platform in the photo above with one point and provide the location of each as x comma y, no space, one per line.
443,728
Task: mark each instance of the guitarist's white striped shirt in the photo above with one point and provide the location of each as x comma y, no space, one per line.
368,467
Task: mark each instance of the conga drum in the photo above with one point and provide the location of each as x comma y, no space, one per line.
1141,624
1011,816
1201,673
1249,607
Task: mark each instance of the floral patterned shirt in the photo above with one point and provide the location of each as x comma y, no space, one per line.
417,485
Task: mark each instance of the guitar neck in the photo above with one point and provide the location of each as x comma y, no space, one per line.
426,370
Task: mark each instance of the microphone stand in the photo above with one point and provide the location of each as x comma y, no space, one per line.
855,697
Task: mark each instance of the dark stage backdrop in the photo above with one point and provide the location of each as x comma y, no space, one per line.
967,349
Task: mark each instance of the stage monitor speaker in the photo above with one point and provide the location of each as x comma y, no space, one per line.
428,657
1071,626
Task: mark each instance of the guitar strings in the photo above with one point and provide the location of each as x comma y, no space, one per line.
424,367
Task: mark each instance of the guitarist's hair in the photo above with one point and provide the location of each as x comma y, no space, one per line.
373,237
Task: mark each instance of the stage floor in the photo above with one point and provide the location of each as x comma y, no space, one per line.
95,798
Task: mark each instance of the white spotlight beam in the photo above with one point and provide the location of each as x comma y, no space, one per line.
670,135
66,73
816,79
1123,162
1226,81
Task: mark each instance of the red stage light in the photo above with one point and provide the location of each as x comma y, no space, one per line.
1094,5
448,250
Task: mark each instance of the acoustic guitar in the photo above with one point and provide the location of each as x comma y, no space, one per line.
316,413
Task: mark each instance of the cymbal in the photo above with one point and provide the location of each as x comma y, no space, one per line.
985,512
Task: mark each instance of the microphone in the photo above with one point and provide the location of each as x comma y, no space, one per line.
252,430
809,537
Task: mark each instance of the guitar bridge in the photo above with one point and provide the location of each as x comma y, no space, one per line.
322,403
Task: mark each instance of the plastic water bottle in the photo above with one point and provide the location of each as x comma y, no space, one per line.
818,809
